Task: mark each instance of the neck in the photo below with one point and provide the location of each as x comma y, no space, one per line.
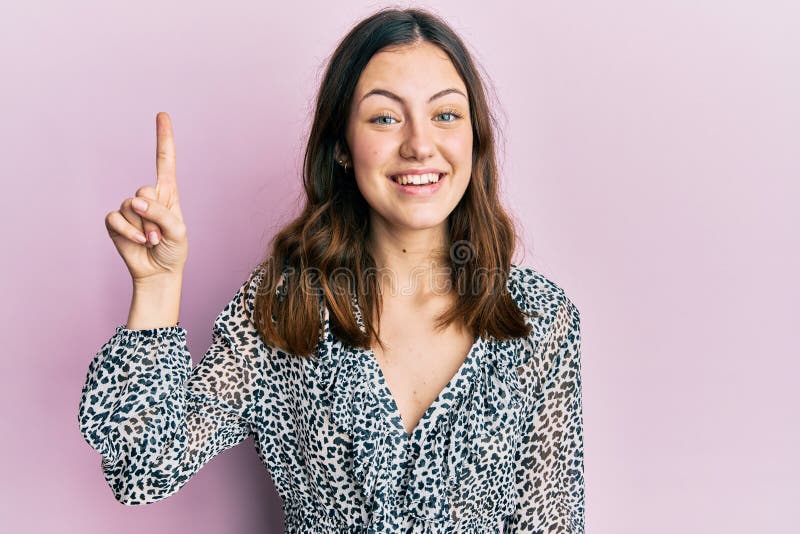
411,263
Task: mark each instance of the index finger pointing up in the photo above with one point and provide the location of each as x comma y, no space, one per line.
165,153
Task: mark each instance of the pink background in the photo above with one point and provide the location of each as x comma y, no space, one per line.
651,156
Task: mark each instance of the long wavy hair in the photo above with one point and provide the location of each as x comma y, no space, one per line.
321,257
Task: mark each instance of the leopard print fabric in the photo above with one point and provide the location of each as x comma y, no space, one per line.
500,449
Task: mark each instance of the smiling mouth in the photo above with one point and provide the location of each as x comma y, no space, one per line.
424,179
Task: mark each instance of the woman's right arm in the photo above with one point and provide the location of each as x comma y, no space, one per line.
156,420
153,418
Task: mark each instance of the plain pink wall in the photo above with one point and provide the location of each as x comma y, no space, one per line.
651,156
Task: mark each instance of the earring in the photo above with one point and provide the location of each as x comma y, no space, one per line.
343,164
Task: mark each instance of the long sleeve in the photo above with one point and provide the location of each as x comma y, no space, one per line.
154,419
550,482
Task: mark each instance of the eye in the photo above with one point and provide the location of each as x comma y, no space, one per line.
379,119
450,113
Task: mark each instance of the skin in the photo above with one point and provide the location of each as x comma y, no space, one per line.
407,231
155,262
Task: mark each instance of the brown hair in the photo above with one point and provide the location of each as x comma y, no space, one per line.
321,257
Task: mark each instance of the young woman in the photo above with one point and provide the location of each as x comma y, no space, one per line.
397,372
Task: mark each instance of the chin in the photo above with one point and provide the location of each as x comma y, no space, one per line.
426,222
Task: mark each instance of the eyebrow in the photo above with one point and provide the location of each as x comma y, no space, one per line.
393,96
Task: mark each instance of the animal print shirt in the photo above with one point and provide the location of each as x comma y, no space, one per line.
499,450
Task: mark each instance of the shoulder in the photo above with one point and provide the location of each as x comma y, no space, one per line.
536,294
549,311
237,313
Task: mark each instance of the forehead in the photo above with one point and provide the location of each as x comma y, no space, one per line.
413,71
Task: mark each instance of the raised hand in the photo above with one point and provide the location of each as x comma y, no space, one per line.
148,229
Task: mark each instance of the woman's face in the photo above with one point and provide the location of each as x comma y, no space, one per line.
410,114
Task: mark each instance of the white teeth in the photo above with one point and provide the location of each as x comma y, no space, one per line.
417,179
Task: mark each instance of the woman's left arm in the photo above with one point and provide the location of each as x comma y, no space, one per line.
549,463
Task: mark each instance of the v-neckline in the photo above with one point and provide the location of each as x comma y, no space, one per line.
429,416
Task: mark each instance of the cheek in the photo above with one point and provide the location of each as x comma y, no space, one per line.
370,147
466,141
459,149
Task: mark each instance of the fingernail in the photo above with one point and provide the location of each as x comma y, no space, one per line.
154,238
141,238
139,204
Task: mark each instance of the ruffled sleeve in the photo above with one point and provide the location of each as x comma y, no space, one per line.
153,418
549,470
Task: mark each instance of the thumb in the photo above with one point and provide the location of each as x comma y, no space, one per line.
150,228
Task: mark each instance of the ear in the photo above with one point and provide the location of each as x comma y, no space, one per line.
340,154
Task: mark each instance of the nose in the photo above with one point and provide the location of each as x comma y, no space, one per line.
418,142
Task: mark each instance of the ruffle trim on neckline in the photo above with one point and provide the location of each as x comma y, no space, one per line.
493,384
495,396
346,385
